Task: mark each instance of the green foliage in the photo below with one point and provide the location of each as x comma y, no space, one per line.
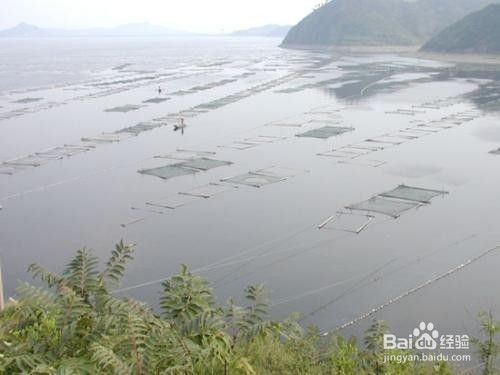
77,326
488,349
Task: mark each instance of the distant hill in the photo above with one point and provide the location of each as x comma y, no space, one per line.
378,22
478,32
25,30
275,31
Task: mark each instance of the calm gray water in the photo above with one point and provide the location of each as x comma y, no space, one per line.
56,92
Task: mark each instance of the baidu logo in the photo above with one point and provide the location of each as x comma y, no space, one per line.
426,337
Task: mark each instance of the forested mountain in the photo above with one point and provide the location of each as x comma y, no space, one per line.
478,32
378,22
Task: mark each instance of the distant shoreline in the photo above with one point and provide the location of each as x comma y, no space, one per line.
459,57
409,51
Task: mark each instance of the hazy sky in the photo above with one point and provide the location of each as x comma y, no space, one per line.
189,15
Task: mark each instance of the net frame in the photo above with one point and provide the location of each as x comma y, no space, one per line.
392,140
203,164
186,155
240,146
174,201
209,190
325,132
279,172
167,172
340,154
364,162
372,146
124,108
347,222
155,100
27,161
384,206
253,179
414,194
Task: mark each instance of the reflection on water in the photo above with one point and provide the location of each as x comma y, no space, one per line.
71,160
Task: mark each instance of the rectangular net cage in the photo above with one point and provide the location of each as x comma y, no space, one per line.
391,140
27,100
426,128
27,161
411,134
185,155
107,138
253,179
156,100
8,170
208,191
279,172
183,168
124,108
372,146
174,201
414,194
364,162
240,146
60,152
203,164
167,171
347,222
341,154
262,177
325,132
384,206
285,124
139,128
263,139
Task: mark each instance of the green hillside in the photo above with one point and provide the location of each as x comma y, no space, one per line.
378,22
479,32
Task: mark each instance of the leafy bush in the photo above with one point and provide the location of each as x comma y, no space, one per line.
77,326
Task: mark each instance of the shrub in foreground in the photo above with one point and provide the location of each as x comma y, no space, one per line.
76,325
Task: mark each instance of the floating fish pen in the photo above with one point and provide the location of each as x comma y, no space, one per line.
240,145
27,100
27,161
174,201
347,222
388,140
185,155
379,205
155,100
208,86
407,112
108,138
61,152
124,108
208,191
397,201
363,162
264,139
325,132
183,168
139,128
126,81
345,153
263,177
286,124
